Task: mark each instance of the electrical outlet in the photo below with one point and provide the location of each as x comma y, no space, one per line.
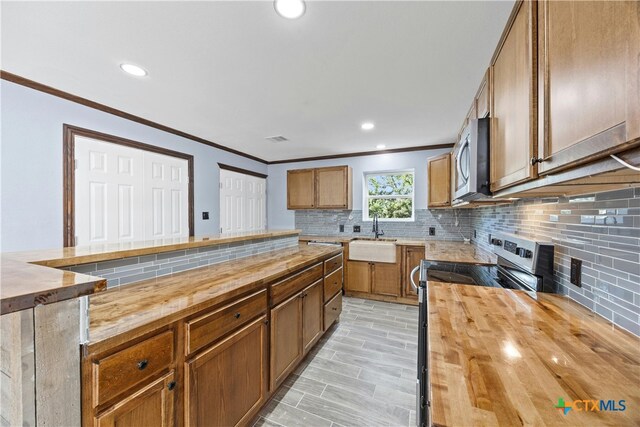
432,231
342,228
576,272
475,234
205,215
356,228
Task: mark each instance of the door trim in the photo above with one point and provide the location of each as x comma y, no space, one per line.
68,173
242,171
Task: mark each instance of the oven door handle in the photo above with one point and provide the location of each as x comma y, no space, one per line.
413,273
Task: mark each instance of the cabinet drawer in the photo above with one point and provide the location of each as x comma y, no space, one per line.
131,366
332,284
283,290
332,310
332,264
205,329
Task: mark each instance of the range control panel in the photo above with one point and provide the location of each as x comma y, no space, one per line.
517,249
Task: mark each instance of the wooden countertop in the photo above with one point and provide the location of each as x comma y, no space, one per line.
138,306
498,357
460,252
435,250
27,280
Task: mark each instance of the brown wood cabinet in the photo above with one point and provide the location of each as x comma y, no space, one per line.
227,384
286,333
320,188
333,188
373,277
301,189
312,307
153,405
589,81
514,95
358,279
439,177
296,325
412,255
483,106
215,366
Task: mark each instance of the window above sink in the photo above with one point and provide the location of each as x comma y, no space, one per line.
390,195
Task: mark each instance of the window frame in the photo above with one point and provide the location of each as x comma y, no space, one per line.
366,197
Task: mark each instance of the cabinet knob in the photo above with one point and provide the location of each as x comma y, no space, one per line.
171,385
535,160
237,315
143,364
334,308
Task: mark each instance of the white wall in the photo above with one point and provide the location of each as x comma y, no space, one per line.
31,164
279,217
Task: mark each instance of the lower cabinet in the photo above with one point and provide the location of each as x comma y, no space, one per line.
296,325
226,384
153,405
412,256
286,329
377,278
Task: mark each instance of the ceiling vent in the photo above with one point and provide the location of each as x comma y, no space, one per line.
278,138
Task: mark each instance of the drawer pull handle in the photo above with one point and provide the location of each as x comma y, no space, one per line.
171,385
143,364
334,308
237,315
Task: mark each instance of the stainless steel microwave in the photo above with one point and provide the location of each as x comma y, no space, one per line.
471,161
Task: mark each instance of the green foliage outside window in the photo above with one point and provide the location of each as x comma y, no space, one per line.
390,195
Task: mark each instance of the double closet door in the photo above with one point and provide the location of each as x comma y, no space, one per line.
127,194
243,201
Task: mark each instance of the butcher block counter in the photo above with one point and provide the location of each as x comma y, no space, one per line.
163,299
499,357
31,278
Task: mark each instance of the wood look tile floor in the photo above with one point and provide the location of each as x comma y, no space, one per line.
362,372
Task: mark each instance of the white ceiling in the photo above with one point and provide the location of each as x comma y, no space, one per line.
235,72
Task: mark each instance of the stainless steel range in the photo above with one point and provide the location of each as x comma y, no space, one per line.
522,264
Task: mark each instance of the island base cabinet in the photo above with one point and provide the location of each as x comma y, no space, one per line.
286,330
151,406
312,308
227,384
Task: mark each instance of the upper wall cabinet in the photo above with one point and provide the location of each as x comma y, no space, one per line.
320,188
439,176
589,73
514,124
482,98
301,189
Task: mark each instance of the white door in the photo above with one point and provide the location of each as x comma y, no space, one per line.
127,194
166,196
242,202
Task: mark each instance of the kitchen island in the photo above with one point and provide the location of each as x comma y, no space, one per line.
500,357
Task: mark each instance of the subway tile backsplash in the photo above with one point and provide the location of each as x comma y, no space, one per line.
602,230
134,269
327,223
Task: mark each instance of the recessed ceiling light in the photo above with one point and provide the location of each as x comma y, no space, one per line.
367,126
134,70
381,146
290,9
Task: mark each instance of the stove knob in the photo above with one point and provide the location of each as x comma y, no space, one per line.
523,253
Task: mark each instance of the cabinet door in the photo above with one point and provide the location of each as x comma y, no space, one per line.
151,406
513,127
482,98
227,384
301,189
589,69
412,258
358,279
286,338
439,171
312,303
385,279
333,188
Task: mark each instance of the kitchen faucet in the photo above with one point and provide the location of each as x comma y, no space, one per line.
376,227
